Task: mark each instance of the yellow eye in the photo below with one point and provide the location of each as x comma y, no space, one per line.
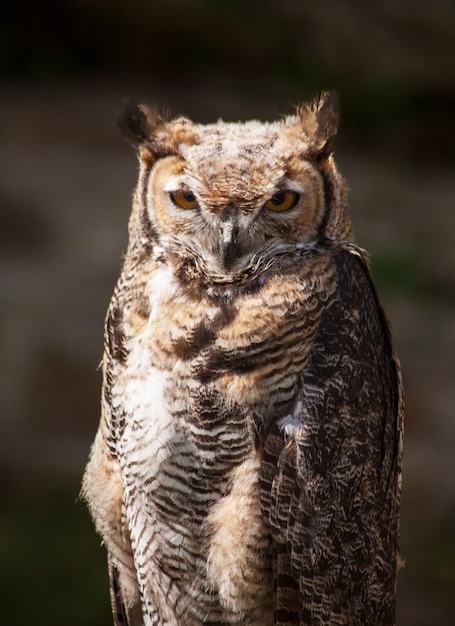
184,199
282,201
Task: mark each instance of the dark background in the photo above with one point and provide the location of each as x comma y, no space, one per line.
66,179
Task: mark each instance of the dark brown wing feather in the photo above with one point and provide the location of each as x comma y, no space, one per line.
331,491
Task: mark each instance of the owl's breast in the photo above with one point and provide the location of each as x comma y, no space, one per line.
250,347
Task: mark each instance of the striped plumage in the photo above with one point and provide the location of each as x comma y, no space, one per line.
246,469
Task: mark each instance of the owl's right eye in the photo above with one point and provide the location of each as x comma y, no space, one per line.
184,199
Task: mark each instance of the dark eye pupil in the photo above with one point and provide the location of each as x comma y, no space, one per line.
278,198
189,197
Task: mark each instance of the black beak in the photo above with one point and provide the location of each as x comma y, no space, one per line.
228,241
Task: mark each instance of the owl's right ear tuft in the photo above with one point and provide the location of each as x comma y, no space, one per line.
138,123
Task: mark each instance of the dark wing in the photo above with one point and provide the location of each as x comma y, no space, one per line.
330,487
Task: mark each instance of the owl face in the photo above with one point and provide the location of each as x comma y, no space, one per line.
233,195
229,217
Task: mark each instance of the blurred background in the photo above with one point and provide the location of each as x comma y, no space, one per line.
66,178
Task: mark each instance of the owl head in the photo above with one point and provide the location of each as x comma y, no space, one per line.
236,194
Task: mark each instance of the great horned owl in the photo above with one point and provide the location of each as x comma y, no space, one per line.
246,469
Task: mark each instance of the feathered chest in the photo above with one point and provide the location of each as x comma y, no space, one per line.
247,346
192,376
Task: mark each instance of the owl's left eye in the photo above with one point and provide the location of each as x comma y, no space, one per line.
282,201
184,199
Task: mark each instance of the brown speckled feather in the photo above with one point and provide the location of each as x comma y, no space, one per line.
331,489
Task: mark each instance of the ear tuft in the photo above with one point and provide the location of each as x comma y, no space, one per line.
138,123
320,121
328,114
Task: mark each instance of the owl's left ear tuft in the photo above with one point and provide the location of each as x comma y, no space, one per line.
320,121
139,123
